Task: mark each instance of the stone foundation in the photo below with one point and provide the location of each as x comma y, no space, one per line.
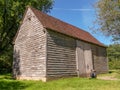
44,79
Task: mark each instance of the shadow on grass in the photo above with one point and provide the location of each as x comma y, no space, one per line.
7,83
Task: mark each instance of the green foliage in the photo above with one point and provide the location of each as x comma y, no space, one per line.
108,17
6,83
6,59
11,13
114,64
113,52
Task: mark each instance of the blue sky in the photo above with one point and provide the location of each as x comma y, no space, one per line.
80,13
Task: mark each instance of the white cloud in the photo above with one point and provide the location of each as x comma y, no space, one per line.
85,9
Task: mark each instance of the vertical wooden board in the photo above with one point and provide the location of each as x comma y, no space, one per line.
88,58
80,58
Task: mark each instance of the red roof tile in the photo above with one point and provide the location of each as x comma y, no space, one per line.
65,28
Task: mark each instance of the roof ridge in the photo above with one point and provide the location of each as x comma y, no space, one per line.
60,26
58,19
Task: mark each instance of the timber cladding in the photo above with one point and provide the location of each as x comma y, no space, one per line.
29,50
44,49
89,57
99,59
61,59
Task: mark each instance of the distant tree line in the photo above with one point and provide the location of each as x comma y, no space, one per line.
113,52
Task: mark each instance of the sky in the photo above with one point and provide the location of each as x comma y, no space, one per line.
79,13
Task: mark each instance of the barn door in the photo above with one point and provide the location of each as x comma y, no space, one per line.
88,58
81,71
83,58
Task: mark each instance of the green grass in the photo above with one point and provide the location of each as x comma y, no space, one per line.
7,83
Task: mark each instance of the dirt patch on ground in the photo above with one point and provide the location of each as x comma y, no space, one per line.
107,78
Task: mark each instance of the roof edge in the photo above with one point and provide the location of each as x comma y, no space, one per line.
21,22
102,45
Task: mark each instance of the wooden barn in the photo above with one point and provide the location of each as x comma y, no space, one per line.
47,48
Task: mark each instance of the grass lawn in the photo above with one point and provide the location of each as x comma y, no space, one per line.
6,83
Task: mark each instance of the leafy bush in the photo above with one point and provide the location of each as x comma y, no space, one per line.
6,59
113,52
114,64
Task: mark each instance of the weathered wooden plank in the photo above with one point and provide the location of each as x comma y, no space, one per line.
61,54
30,48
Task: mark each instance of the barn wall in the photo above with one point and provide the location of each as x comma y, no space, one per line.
60,55
29,49
90,56
103,58
100,59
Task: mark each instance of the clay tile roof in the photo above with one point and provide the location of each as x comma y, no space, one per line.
57,25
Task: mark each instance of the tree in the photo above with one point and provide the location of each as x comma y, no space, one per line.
108,17
113,52
11,13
